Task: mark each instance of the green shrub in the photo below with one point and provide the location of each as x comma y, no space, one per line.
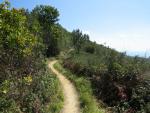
115,79
25,83
90,49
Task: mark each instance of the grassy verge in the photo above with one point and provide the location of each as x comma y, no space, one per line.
56,103
88,103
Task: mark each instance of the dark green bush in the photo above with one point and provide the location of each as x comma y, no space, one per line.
90,49
116,80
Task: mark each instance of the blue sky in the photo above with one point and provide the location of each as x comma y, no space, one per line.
121,24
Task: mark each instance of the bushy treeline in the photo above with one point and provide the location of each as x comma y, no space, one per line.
26,38
42,21
117,79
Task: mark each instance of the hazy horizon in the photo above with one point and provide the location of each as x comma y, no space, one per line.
122,25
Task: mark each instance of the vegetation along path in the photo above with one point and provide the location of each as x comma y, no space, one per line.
71,103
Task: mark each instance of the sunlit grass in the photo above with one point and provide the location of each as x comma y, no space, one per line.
87,101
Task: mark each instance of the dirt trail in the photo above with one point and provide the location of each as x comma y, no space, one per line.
71,101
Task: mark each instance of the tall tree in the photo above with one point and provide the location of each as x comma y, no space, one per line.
47,16
77,39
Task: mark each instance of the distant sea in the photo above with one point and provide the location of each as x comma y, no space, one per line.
138,53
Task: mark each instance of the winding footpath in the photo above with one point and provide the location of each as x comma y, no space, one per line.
71,99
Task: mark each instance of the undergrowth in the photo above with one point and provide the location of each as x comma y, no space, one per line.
87,101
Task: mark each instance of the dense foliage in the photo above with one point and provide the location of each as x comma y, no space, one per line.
78,39
117,79
26,85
